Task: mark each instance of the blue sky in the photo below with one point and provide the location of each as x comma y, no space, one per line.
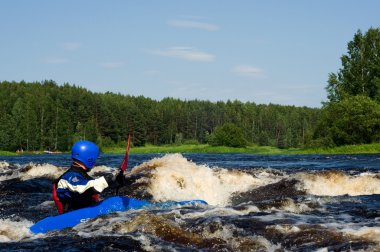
259,51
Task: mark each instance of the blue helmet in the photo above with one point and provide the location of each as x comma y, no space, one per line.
86,152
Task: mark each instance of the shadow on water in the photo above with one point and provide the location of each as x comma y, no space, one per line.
73,244
34,185
25,199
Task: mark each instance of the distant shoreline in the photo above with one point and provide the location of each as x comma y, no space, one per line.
204,148
264,150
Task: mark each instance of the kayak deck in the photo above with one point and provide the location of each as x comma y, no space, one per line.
110,205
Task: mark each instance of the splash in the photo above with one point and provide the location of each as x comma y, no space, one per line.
334,183
12,231
173,177
100,169
3,165
5,171
41,170
368,233
290,205
32,170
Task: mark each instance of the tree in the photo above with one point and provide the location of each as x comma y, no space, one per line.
6,134
354,120
360,72
352,115
228,135
20,131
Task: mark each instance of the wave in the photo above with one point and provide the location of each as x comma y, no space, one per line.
30,171
368,233
13,231
40,170
335,183
49,171
4,165
173,177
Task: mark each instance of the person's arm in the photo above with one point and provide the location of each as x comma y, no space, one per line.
116,181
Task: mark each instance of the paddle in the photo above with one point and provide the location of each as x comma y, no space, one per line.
124,164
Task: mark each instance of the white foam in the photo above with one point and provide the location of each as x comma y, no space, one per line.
290,206
46,205
13,231
286,229
42,170
3,165
101,168
50,171
147,245
239,243
176,178
115,226
337,183
279,215
267,244
322,250
368,233
7,177
219,211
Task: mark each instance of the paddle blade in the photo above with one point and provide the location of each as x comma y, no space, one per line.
124,164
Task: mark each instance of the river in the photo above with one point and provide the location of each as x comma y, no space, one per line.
255,203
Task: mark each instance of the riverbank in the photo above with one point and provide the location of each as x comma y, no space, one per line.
205,148
7,153
196,148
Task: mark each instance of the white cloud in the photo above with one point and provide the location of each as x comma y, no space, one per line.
193,25
185,53
247,70
71,46
56,61
112,65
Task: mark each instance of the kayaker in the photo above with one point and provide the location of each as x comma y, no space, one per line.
76,189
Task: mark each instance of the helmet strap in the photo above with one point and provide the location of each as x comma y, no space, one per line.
79,164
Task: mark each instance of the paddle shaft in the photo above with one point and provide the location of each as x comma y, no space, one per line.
124,164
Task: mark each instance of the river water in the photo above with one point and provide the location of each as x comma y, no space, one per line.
256,203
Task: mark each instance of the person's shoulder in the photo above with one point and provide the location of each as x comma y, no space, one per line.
72,172
75,178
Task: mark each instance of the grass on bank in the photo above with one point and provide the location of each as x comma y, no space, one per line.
345,149
7,153
205,148
193,148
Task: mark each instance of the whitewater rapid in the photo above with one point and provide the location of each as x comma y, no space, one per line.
260,208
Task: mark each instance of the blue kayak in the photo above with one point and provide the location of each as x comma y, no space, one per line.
110,205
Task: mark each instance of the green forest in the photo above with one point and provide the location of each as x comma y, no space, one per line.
49,116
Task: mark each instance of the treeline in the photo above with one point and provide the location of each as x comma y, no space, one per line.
47,116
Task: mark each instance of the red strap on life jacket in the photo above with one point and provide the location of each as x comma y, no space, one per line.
95,197
57,202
